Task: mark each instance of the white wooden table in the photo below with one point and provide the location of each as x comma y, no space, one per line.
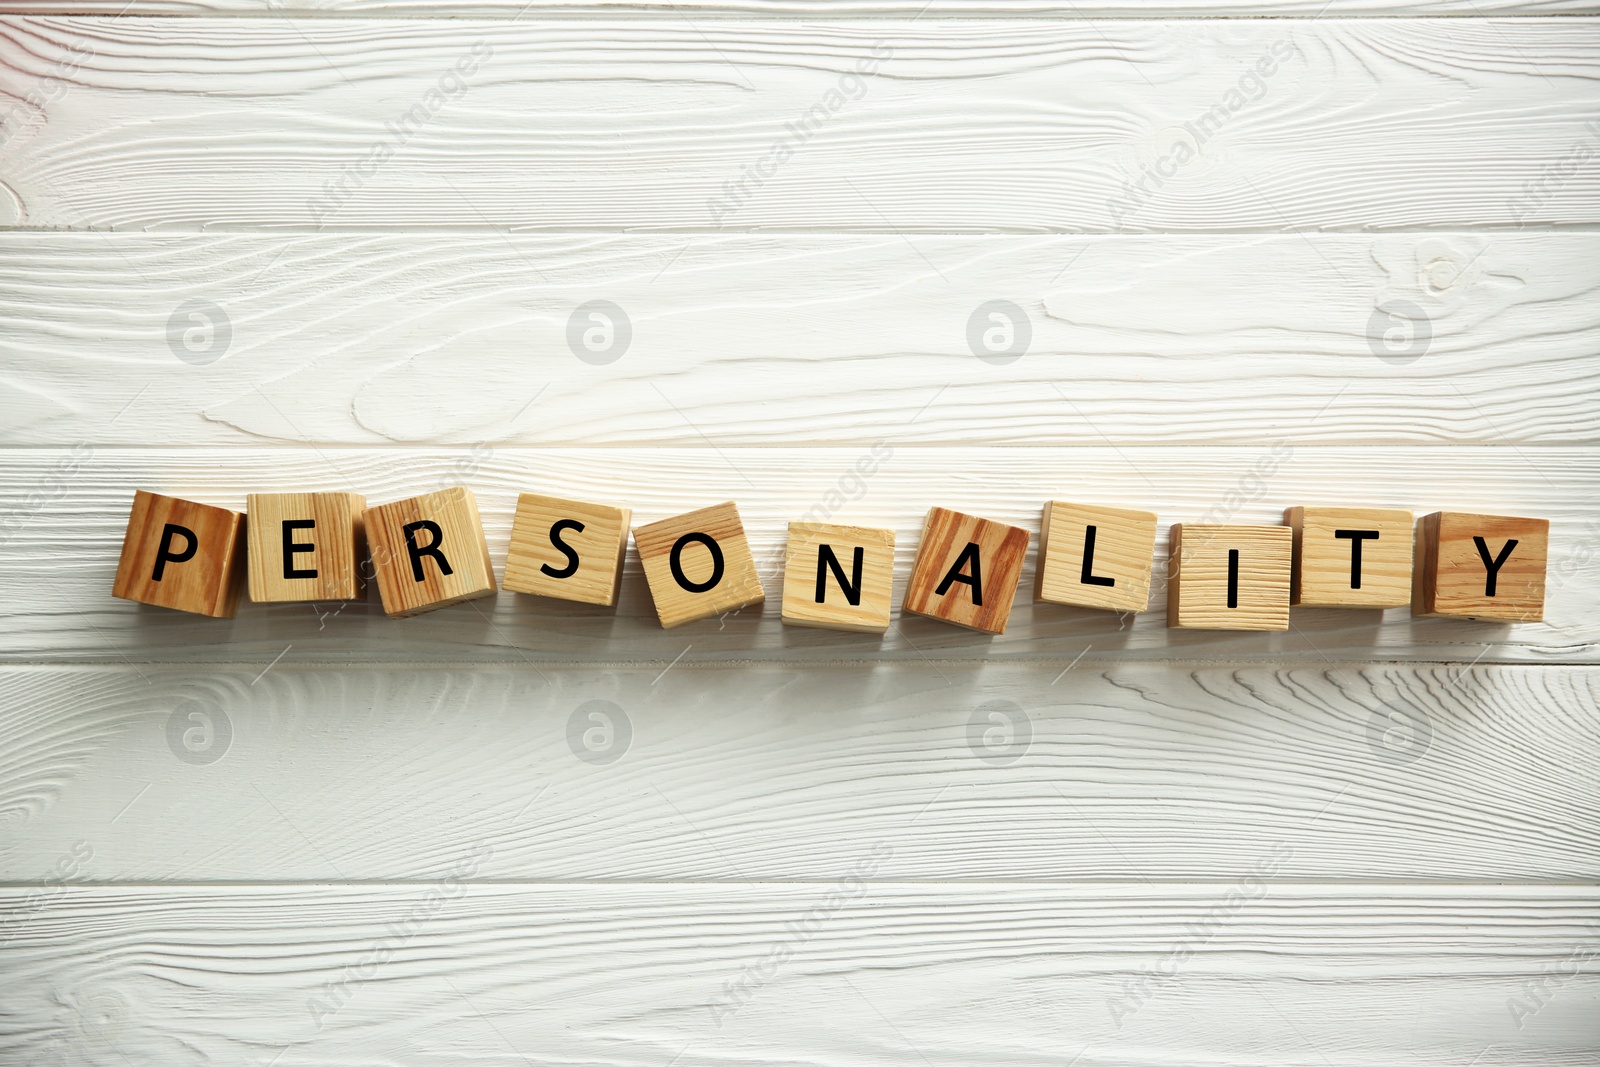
1256,254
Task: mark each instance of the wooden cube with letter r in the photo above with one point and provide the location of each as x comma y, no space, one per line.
567,549
966,570
182,555
838,577
306,546
1480,566
429,552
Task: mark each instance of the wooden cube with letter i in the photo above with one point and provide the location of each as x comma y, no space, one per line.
1229,577
838,577
1480,566
966,570
182,555
429,552
567,549
306,546
1095,557
698,565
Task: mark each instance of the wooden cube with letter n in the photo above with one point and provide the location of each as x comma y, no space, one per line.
698,565
1229,577
1480,566
1350,557
966,571
838,577
306,546
1095,557
567,549
429,552
182,555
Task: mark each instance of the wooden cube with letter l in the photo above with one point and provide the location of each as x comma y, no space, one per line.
838,577
698,565
429,552
182,555
966,571
567,549
1229,577
1480,566
306,546
1350,557
1095,557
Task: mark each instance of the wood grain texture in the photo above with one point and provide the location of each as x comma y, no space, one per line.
57,607
333,549
181,554
1373,774
1095,557
567,549
800,339
698,565
1229,577
838,577
1481,566
893,126
966,570
830,9
1369,566
429,552
830,974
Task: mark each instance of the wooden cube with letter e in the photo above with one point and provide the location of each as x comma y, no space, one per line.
1350,557
838,577
1480,566
1229,577
1095,557
567,549
698,565
306,546
966,571
429,552
182,555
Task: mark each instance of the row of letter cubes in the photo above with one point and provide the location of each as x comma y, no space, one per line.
430,551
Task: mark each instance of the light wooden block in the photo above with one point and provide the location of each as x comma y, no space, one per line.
1229,577
966,571
1350,557
567,549
429,552
182,555
306,546
698,565
1095,557
1466,570
838,577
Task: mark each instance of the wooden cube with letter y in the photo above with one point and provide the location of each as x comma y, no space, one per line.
429,552
567,549
1095,557
1350,557
1229,577
698,565
1480,566
966,571
306,546
182,555
838,577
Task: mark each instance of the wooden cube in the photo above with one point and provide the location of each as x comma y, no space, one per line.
1229,577
1095,557
1480,566
306,546
698,565
1350,557
966,570
567,549
838,577
182,555
429,552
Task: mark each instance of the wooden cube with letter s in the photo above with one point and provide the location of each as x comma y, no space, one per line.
429,552
567,549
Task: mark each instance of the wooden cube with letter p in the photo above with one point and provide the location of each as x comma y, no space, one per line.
429,552
1095,557
567,549
182,555
1229,577
1480,566
838,577
1350,557
305,546
966,571
698,565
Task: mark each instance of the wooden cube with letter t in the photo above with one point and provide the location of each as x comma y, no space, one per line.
305,546
182,555
698,565
1480,566
567,549
1095,557
966,571
838,577
1350,557
1229,577
429,552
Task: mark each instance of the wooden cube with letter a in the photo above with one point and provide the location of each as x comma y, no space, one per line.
429,552
1350,557
838,577
1480,566
182,555
306,546
698,565
567,549
1095,557
1229,577
966,570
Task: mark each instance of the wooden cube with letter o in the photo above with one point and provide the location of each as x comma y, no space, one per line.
698,565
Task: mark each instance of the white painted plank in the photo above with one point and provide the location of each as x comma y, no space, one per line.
835,973
66,512
650,122
808,339
972,772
